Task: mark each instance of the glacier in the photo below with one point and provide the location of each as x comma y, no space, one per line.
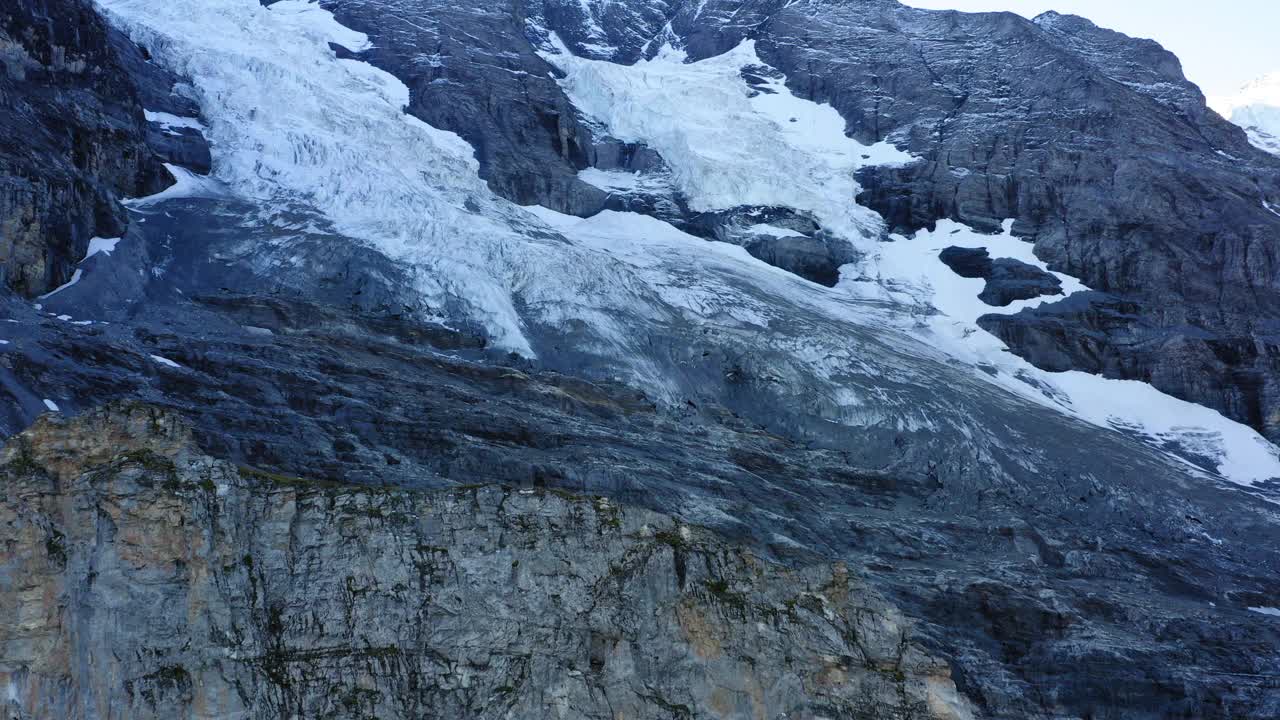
1256,108
292,123
731,144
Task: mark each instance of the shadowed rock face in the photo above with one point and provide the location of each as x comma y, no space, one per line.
143,579
72,140
1007,279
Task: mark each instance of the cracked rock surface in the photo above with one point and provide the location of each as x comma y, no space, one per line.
143,579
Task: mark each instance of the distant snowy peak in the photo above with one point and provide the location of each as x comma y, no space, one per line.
1256,108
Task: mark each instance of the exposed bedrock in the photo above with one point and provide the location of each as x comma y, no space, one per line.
1007,279
73,140
143,579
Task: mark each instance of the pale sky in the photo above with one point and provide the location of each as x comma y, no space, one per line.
1222,44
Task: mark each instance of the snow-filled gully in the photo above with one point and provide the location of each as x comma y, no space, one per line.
290,121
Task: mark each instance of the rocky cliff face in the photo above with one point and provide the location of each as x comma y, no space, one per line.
142,579
72,140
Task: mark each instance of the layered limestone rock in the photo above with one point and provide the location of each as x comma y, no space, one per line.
141,578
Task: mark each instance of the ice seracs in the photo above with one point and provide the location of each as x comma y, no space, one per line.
730,142
291,122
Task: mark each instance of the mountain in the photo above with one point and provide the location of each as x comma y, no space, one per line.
975,310
1256,108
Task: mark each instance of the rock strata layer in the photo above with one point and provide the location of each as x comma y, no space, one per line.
143,579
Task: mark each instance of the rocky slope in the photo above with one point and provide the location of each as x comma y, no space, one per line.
142,579
73,140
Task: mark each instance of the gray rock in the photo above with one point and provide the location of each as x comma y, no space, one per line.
145,580
1007,279
72,141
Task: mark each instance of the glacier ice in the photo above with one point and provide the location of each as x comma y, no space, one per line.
1256,108
730,143
290,122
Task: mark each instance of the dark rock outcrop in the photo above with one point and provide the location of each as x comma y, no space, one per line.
812,258
72,140
1007,279
967,262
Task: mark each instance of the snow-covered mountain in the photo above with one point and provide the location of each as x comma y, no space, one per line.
1256,108
983,305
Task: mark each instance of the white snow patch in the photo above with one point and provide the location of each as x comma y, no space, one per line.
727,143
169,120
106,246
4,342
909,270
1274,612
75,278
186,185
1274,210
53,406
165,361
308,14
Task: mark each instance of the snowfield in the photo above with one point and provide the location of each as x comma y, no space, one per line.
1256,108
292,123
